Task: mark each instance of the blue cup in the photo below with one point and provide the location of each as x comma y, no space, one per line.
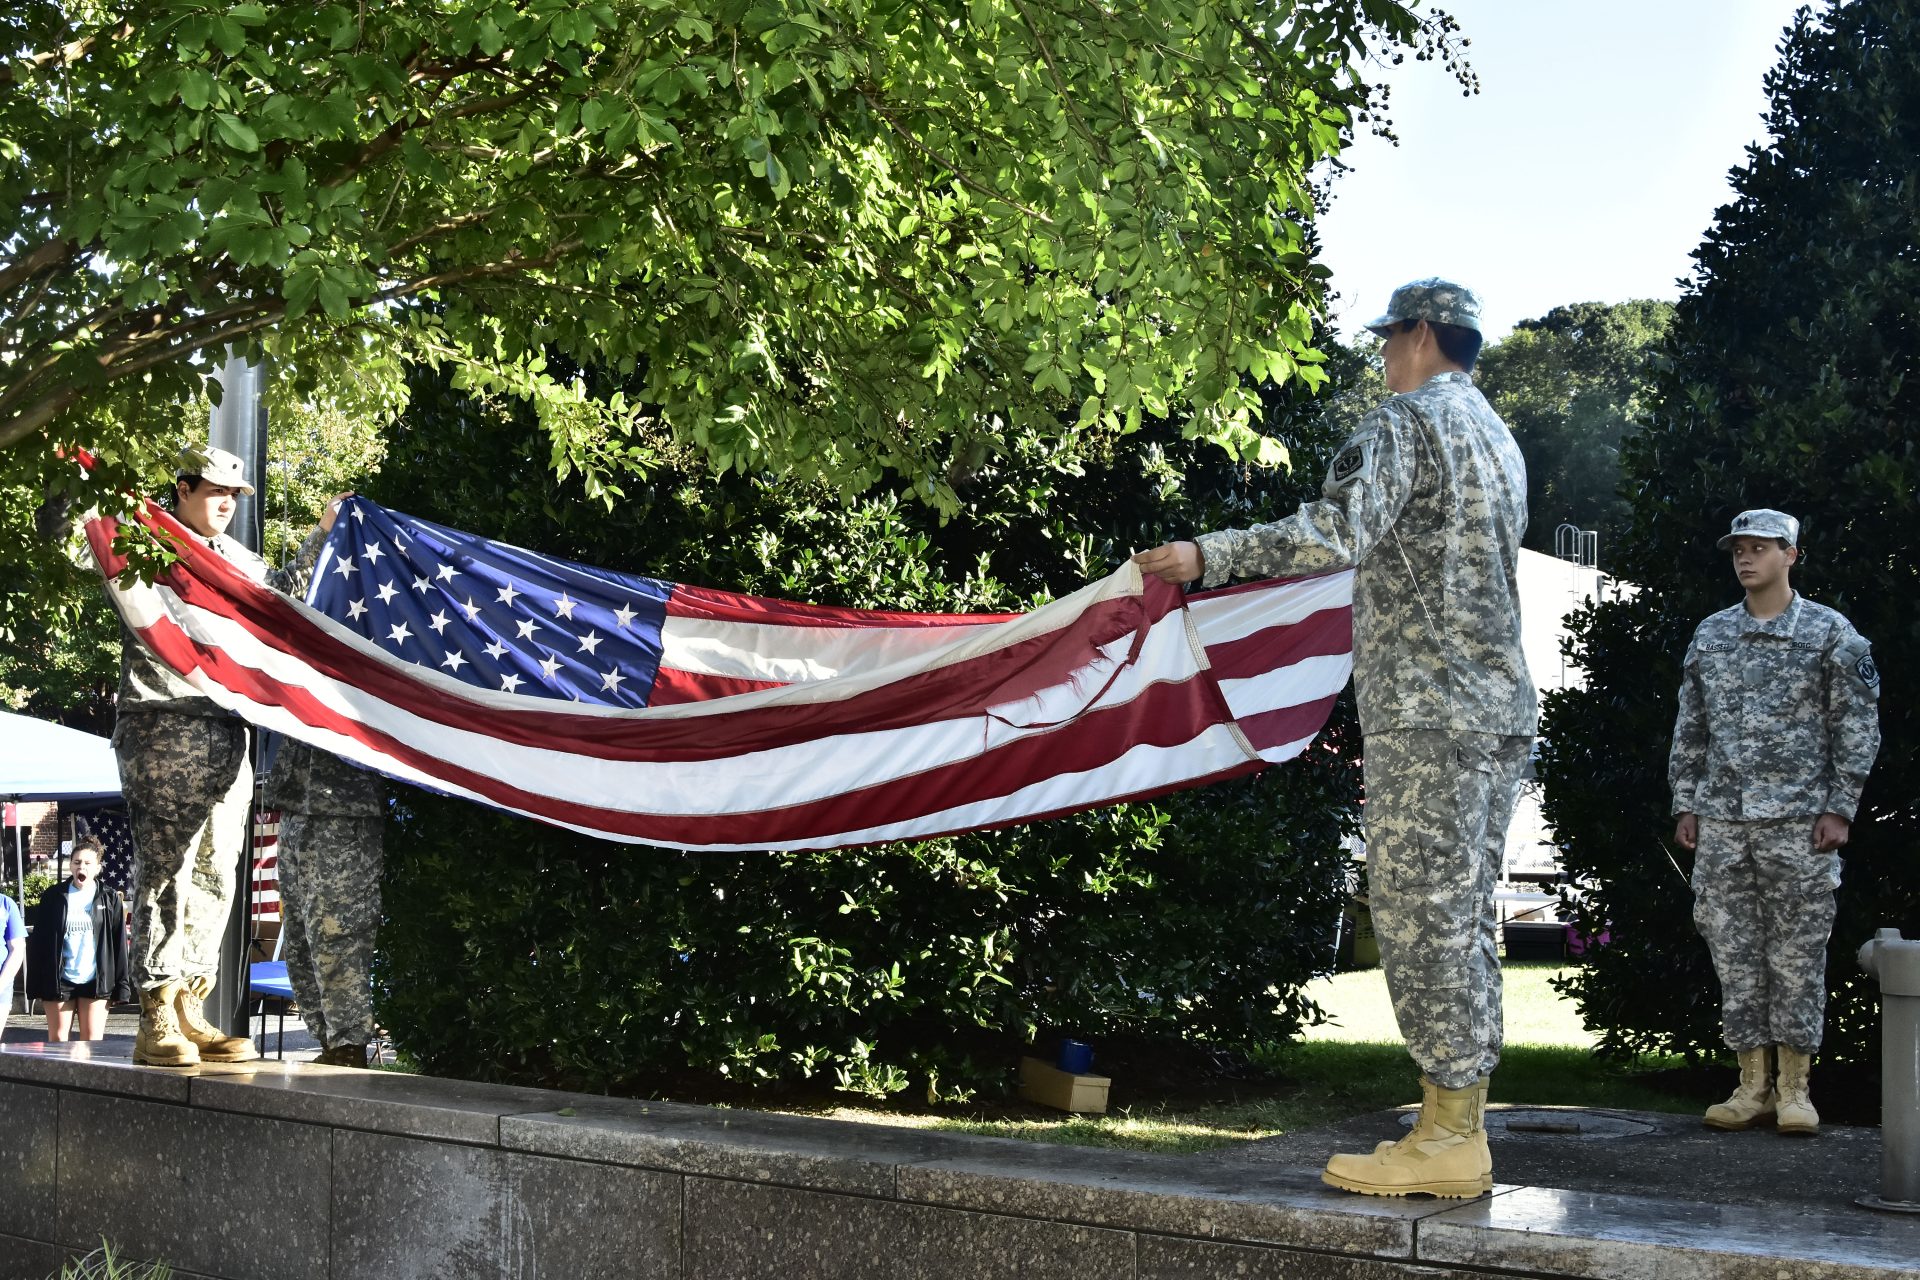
1075,1057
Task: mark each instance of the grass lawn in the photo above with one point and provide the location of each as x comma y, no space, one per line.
1352,1064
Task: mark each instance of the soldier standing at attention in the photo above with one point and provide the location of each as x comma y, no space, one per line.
331,828
187,778
1427,501
1778,728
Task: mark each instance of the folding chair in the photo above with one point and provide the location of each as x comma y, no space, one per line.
269,991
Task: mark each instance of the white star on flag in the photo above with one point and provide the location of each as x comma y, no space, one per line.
398,633
439,622
386,593
373,552
509,683
354,609
344,566
627,613
589,642
527,628
422,585
471,609
611,680
496,650
446,573
549,665
507,593
454,660
564,607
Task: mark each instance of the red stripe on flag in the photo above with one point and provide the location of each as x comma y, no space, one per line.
726,606
672,688
1269,729
1326,634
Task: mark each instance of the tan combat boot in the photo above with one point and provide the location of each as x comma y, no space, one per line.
159,1042
215,1045
343,1055
1444,1154
1797,1115
1753,1101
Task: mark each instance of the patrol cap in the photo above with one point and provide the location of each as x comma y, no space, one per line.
1434,300
215,466
1763,522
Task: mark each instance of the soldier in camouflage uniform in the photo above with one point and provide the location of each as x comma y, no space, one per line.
1778,728
187,778
330,856
1426,501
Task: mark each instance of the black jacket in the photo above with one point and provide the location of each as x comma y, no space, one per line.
48,921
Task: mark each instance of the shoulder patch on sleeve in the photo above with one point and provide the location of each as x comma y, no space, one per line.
1854,654
1353,460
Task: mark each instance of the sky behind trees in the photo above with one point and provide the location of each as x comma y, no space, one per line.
1587,169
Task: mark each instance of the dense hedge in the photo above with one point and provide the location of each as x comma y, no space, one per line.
520,952
1791,379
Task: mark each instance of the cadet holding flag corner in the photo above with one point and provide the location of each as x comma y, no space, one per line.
1777,730
188,780
1427,502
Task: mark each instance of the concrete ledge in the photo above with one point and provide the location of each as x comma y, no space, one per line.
1613,1237
1167,1194
290,1172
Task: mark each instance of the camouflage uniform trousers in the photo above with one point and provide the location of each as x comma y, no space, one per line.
1438,805
1763,900
330,909
188,783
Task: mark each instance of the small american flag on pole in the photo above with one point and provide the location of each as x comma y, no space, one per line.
115,834
265,891
654,712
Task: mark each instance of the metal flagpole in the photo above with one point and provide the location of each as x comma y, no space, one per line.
239,425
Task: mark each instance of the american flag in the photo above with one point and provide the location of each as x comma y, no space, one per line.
663,713
115,834
265,889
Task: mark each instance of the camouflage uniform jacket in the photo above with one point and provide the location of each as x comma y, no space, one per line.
1779,718
148,684
305,779
1427,501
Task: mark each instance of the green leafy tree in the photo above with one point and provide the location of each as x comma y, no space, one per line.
1570,385
834,240
1196,917
1789,381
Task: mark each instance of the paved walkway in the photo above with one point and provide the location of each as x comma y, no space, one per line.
23,1028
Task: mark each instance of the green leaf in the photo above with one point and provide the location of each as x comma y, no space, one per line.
333,297
196,89
228,35
235,132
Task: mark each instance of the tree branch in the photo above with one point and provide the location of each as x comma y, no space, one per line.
37,259
67,54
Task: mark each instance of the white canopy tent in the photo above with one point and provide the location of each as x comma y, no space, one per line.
43,761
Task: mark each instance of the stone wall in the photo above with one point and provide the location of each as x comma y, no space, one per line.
292,1172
